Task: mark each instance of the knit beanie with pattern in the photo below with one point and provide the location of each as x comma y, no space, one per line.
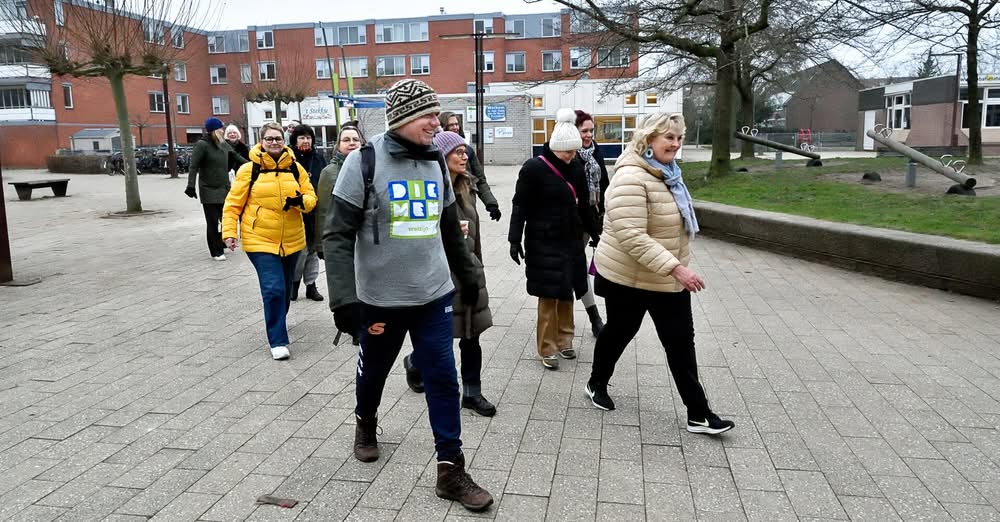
408,100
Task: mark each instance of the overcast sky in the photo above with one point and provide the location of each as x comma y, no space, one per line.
242,13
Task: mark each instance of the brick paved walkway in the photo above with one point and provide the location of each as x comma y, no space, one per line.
135,383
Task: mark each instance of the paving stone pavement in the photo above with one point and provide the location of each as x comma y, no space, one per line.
135,383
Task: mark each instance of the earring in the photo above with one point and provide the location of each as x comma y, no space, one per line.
648,153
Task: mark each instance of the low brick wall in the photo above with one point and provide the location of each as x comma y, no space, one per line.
964,267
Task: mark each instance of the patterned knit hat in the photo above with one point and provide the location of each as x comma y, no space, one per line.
448,141
408,100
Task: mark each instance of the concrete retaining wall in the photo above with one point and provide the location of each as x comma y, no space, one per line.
960,266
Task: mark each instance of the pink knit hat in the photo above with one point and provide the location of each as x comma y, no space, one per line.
447,141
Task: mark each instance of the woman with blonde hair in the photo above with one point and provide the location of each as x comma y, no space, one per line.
267,200
642,263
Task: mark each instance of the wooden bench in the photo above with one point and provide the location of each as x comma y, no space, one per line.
24,188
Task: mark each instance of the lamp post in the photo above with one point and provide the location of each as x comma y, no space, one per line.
958,99
171,152
480,90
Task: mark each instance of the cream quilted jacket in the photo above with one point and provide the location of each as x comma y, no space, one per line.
643,238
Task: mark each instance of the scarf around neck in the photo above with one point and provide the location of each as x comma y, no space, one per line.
593,171
673,180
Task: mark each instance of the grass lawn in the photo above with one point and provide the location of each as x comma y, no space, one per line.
815,193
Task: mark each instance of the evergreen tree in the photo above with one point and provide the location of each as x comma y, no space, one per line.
928,68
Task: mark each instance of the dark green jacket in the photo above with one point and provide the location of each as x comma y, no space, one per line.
324,193
210,167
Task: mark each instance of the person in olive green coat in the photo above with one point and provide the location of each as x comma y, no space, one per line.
210,167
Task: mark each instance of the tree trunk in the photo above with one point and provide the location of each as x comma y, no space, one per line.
725,75
975,107
746,119
132,201
277,113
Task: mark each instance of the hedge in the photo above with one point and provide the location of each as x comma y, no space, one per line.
76,164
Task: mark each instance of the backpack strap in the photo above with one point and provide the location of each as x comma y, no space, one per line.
254,174
368,175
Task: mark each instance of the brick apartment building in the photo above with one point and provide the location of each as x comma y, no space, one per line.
218,70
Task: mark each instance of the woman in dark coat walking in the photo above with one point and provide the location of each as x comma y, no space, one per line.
235,140
551,211
302,140
597,181
210,162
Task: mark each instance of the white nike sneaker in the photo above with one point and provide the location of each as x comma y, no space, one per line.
280,353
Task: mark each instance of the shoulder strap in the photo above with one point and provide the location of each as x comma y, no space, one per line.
554,169
254,174
368,175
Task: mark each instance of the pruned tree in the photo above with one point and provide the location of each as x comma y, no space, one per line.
280,80
140,122
112,40
945,26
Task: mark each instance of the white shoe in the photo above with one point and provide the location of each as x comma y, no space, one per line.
220,257
280,353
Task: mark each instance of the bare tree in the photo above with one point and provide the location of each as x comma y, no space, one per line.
140,122
281,80
111,40
946,26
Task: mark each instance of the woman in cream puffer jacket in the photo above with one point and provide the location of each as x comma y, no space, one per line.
642,266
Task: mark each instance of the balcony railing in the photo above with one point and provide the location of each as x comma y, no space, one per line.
10,28
25,71
28,114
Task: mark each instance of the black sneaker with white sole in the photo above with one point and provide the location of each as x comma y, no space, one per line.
710,424
599,397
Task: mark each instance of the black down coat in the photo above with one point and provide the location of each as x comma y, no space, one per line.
552,223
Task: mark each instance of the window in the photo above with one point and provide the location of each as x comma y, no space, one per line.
40,99
180,72
267,71
579,58
990,99
14,99
631,100
244,42
10,55
265,39
156,102
418,31
183,107
551,26
152,31
67,95
420,64
612,57
20,9
488,62
581,23
220,105
551,61
268,114
608,129
158,76
390,66
629,129
898,111
246,73
470,87
514,26
351,35
482,26
515,62
216,44
537,102
60,15
540,130
386,33
356,68
652,98
177,37
322,69
217,75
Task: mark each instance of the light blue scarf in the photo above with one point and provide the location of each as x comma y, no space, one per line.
672,179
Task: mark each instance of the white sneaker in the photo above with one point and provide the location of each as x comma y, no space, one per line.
220,257
280,353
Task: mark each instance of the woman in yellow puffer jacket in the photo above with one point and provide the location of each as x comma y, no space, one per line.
269,212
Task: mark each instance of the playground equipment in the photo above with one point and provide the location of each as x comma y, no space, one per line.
806,149
949,168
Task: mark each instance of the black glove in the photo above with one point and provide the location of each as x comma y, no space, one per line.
470,296
294,202
494,211
347,320
594,241
516,252
191,193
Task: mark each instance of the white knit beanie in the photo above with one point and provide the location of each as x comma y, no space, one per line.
565,136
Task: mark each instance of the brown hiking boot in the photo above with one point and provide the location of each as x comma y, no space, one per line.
366,440
453,483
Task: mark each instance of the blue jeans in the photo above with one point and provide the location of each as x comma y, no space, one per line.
276,276
430,329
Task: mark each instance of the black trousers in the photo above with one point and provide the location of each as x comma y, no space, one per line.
213,219
671,314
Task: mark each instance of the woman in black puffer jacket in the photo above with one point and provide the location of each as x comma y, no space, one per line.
551,211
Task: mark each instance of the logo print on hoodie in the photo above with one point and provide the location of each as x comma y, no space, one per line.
414,208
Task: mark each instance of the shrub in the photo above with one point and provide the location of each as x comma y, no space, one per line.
89,164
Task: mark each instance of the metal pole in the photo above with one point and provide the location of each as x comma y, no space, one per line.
6,266
480,98
334,80
958,101
171,153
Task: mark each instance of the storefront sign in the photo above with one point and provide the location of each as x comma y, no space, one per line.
491,113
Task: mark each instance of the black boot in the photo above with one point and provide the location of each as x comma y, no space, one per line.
366,440
312,293
295,290
454,483
596,324
413,378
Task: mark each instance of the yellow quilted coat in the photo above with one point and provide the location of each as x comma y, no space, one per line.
644,237
265,226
